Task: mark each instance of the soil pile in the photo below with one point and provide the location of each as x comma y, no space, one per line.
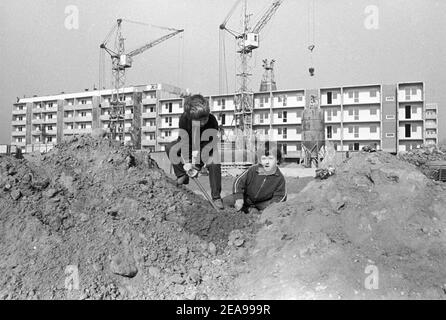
421,157
376,229
100,213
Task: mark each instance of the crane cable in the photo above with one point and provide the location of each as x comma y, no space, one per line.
150,25
311,29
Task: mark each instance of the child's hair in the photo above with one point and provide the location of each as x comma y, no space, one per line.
270,149
196,107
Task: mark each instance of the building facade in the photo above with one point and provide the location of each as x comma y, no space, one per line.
390,117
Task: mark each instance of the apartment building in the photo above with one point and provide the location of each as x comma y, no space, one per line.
390,117
40,122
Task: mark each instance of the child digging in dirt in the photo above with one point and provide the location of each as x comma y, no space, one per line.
197,117
260,185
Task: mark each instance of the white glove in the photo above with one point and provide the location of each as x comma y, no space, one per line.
191,170
238,204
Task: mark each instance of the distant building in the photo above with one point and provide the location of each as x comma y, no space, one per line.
390,117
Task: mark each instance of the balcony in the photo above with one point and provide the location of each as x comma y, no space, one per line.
128,116
147,143
18,122
162,139
53,120
69,131
430,125
36,132
104,117
149,115
148,128
149,101
19,133
87,106
129,103
68,119
51,132
52,109
19,112
430,116
83,119
36,121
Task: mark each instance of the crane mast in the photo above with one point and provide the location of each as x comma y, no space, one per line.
120,62
247,41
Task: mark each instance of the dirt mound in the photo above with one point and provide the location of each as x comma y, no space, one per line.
376,229
421,157
101,212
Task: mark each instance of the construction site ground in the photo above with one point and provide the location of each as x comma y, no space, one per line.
99,213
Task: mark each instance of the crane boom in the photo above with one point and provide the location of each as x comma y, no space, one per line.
153,43
267,16
223,24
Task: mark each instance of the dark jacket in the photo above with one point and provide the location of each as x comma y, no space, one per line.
254,186
186,124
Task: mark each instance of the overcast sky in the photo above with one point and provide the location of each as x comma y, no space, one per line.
40,55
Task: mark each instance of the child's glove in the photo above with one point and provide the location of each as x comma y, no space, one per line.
238,204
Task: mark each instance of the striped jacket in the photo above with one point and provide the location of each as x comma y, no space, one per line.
255,186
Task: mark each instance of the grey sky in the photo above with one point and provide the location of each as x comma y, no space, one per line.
40,56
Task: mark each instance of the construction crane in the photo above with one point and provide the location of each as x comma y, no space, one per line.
247,41
120,62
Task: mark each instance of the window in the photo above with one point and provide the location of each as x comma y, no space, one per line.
390,135
266,99
414,110
356,146
335,112
390,117
329,97
20,129
284,101
83,126
279,131
407,127
299,97
329,111
356,134
414,91
408,113
414,129
50,105
167,133
356,94
350,129
285,116
329,132
407,92
49,139
283,148
20,118
373,111
350,147
49,128
50,116
356,111
83,114
373,129
284,133
223,119
83,101
280,115
350,112
335,130
20,107
19,139
350,94
223,103
373,93
169,121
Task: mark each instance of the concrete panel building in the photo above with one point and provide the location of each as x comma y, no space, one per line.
390,117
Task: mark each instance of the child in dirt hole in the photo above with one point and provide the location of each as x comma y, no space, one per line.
260,185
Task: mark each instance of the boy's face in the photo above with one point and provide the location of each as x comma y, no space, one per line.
203,121
268,162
